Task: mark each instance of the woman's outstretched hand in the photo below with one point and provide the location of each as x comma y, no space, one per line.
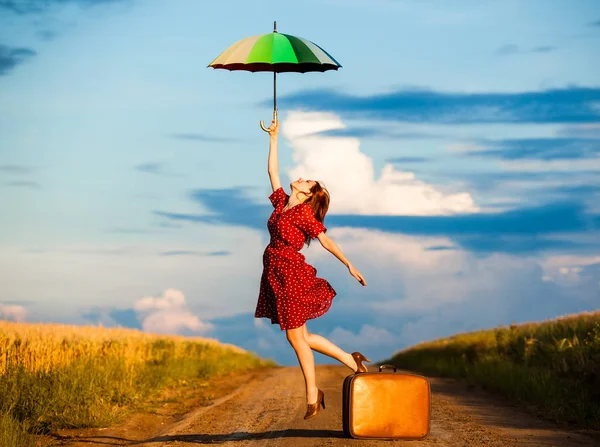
273,129
357,275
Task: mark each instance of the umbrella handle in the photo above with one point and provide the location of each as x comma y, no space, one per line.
262,123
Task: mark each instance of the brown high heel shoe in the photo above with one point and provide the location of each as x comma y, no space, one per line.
359,358
313,409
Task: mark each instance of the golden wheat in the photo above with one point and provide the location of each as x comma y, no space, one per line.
45,347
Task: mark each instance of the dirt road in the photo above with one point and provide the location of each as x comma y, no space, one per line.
267,410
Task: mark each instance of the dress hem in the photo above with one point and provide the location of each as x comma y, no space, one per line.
328,300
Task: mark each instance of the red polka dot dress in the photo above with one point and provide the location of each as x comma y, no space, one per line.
290,292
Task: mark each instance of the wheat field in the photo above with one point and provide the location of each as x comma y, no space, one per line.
44,347
553,364
58,376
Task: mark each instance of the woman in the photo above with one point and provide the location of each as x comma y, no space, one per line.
290,291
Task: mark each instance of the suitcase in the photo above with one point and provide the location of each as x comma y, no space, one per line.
380,405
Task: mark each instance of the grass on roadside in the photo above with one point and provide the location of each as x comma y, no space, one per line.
554,364
55,376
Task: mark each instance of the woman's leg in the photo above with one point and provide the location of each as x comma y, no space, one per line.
306,360
324,346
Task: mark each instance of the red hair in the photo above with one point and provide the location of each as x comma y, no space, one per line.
319,202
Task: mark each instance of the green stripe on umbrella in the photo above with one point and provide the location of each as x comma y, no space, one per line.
252,53
275,52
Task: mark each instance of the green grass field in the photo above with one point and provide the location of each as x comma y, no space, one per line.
554,365
54,376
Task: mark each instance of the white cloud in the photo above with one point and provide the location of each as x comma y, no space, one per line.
585,130
464,148
206,281
171,298
168,314
402,274
418,294
259,323
350,177
588,164
367,336
566,268
269,340
12,312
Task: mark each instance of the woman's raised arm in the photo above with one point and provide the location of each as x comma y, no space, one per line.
329,245
273,130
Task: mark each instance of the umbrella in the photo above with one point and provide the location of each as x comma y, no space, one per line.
275,52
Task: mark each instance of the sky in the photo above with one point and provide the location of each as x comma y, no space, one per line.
460,143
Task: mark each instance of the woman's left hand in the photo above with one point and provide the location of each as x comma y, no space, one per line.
273,129
357,275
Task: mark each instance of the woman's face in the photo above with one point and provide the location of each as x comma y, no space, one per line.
302,185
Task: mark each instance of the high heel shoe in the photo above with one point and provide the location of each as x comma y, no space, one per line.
313,409
359,358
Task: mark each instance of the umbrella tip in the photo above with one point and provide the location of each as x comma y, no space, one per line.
275,26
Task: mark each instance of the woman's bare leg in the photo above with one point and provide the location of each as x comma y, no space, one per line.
306,360
324,346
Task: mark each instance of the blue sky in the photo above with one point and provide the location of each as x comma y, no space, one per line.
460,143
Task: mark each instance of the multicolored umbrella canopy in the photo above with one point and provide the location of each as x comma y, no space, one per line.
278,53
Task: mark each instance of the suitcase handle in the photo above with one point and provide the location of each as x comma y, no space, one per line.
386,366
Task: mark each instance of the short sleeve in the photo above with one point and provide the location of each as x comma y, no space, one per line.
308,223
277,196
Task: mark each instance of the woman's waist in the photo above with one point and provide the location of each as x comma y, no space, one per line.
284,251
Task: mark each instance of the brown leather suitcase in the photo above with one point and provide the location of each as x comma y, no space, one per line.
383,405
